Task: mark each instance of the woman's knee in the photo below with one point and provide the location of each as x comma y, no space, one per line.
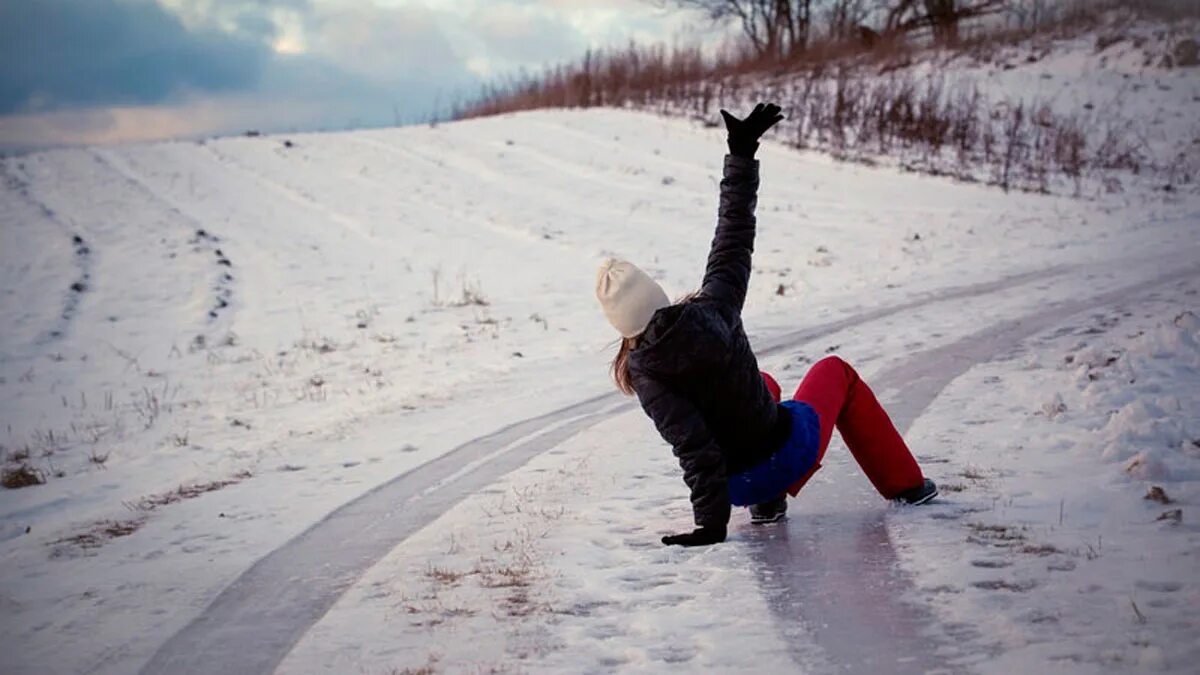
836,362
831,373
833,361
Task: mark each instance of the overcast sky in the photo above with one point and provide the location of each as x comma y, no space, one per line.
82,71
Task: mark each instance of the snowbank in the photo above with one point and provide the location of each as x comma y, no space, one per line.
1071,472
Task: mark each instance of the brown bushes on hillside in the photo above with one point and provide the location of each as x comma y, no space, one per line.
858,103
854,113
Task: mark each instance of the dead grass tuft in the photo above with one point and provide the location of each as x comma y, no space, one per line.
973,473
443,575
995,535
21,475
1039,549
190,491
429,668
1157,494
97,535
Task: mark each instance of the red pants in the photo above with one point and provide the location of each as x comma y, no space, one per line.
842,399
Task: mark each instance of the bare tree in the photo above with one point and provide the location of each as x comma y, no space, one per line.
781,28
845,18
942,17
775,28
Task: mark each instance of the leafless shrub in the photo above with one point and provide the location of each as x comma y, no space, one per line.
847,97
149,403
21,475
1014,136
471,294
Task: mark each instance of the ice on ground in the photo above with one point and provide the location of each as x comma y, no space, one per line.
557,568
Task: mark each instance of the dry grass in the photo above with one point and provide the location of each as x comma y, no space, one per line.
102,531
21,475
97,535
429,668
1039,549
996,535
189,491
443,575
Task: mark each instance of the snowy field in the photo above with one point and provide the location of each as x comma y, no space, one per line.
211,346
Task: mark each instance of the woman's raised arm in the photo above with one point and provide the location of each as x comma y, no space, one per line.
727,274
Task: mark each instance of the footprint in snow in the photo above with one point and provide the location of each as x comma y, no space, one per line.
1061,566
604,631
1005,585
673,654
668,600
647,583
1158,586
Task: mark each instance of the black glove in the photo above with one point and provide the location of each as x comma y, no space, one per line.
744,134
701,536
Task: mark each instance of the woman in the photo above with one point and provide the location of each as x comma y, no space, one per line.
691,367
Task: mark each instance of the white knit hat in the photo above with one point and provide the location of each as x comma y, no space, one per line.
629,296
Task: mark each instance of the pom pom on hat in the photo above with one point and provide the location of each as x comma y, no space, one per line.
629,296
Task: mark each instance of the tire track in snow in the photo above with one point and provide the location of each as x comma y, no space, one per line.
833,566
252,624
455,215
476,171
297,197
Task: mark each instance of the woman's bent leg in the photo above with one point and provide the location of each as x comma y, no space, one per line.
772,386
842,399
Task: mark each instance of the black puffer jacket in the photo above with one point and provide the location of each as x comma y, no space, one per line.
693,370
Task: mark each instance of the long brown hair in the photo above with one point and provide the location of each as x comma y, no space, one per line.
620,366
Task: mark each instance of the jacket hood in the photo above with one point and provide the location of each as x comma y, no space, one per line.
680,339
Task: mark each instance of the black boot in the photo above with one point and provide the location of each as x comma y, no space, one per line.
771,511
918,495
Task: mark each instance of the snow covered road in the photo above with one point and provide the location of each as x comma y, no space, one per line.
811,571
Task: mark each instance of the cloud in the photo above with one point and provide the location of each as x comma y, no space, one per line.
81,71
102,70
60,54
524,34
384,45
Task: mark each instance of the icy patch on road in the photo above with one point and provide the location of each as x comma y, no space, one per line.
1070,476
558,568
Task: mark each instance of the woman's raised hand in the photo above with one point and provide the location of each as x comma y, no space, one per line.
744,134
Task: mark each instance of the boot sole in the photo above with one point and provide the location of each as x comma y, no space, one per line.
768,521
925,499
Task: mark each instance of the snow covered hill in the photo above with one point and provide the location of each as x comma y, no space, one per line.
209,346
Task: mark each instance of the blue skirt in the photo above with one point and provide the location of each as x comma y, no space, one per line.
786,465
